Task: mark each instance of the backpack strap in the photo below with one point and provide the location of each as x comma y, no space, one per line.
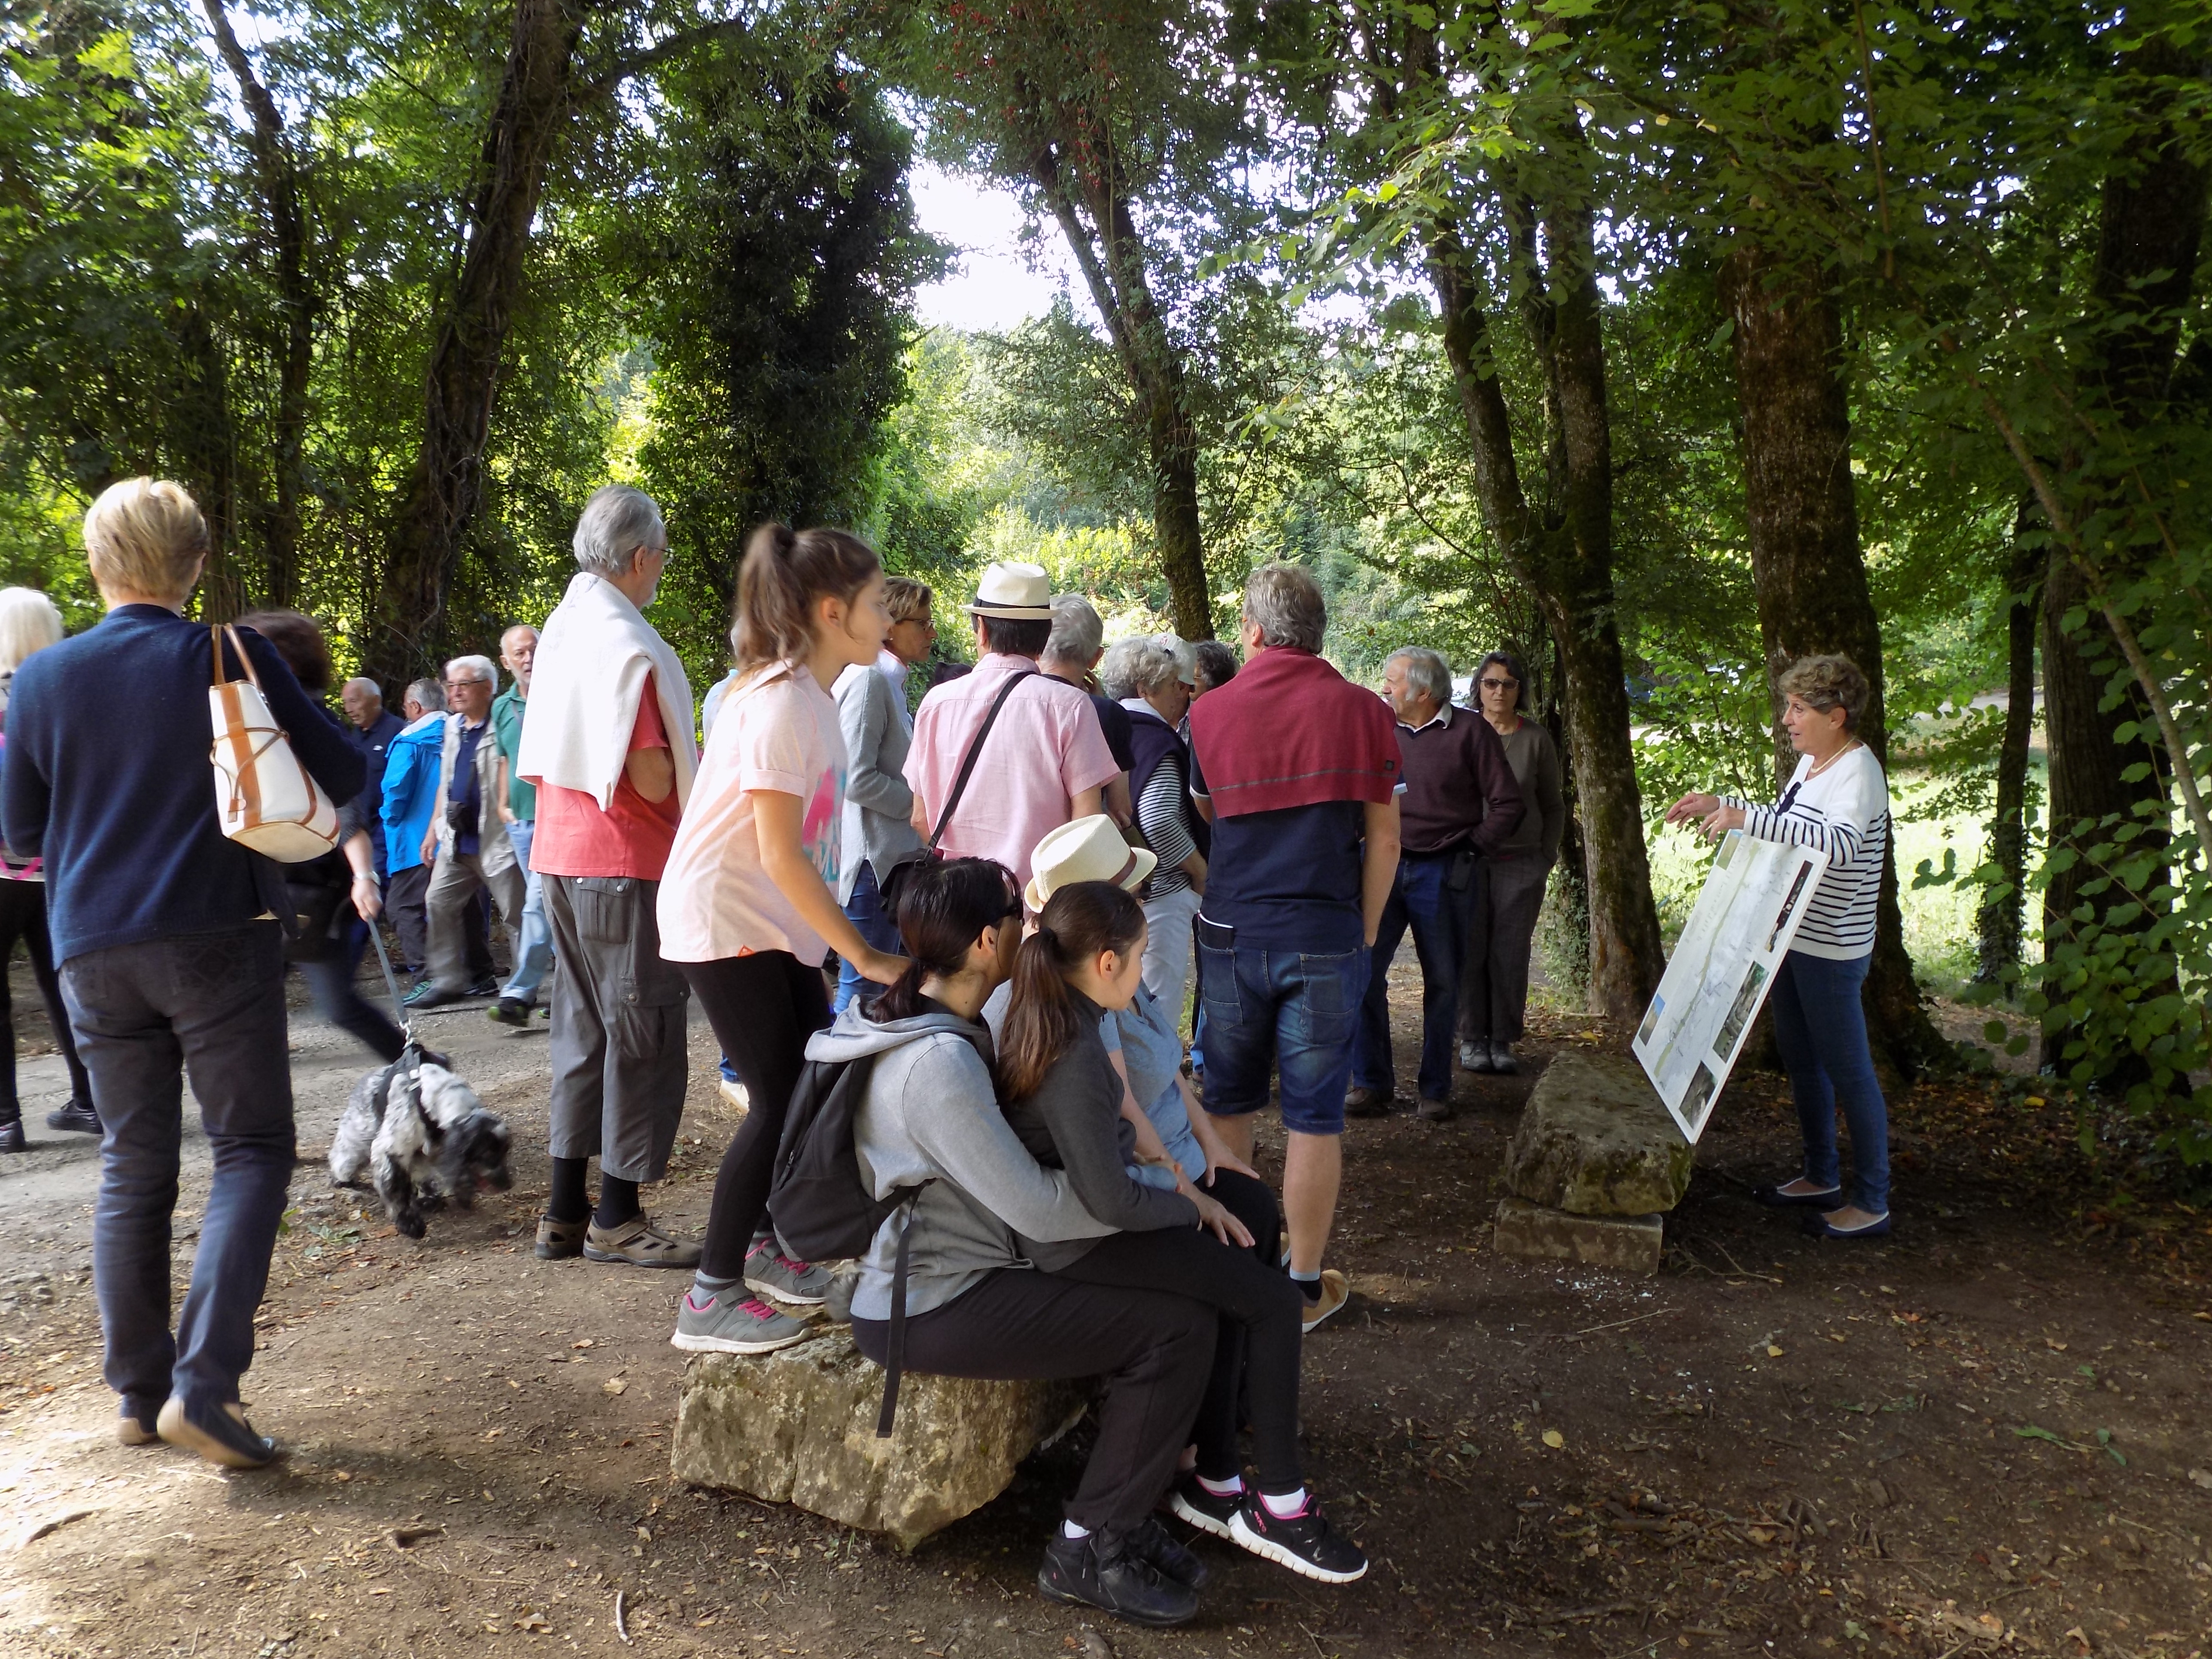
975,748
895,1343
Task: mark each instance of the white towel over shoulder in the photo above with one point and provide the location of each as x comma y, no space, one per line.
593,655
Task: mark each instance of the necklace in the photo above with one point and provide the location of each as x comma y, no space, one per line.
1821,766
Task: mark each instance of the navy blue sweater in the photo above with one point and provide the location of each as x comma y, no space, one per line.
107,777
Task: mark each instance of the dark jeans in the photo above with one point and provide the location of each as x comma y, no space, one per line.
865,910
1280,1012
1493,998
23,916
1153,1349
763,1007
209,1006
334,981
1256,1355
1421,898
1820,1026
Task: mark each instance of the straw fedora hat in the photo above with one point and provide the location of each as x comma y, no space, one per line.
1088,849
1020,591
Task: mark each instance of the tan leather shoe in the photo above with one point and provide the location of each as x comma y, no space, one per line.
639,1244
559,1241
1335,1291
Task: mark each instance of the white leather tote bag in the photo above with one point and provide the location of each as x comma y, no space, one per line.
263,795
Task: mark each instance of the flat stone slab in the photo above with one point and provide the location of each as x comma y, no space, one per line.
799,1426
1628,1244
1595,1140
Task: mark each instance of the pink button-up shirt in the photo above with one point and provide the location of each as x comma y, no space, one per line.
1045,750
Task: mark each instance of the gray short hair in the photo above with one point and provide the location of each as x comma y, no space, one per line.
428,693
1284,601
367,687
1077,632
481,668
1138,667
1426,671
616,522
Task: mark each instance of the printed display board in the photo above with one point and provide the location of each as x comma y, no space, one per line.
1755,896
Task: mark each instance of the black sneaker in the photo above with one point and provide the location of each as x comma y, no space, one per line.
1157,1545
486,987
508,1011
11,1136
77,1117
221,1434
1104,1572
1305,1542
1195,1506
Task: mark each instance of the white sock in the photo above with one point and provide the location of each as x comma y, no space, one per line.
1230,1488
1285,1506
1069,1529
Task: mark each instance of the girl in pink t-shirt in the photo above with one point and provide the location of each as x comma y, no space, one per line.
748,904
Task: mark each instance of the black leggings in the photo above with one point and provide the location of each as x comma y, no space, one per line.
23,916
1257,1352
763,1007
1153,1348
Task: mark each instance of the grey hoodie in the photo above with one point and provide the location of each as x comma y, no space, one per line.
931,1116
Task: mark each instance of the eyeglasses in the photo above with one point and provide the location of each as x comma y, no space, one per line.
473,680
1500,685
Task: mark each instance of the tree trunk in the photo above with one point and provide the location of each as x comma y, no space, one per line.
1112,259
446,484
1564,556
2151,226
2000,918
277,176
1807,568
206,448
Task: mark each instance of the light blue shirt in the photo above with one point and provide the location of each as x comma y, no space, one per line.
1152,1051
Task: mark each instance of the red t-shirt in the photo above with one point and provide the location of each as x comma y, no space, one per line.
630,838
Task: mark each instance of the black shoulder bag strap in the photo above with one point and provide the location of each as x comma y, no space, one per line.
974,750
895,1342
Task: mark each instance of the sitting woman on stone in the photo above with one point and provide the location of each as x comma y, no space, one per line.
981,1301
1063,1097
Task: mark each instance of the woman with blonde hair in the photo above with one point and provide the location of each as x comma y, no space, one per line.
748,908
1836,800
29,623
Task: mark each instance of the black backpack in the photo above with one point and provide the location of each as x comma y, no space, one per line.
822,1210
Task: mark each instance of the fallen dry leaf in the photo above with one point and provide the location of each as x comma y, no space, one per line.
613,1385
1773,1353
1555,1439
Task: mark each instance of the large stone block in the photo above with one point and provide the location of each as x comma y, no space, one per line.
1594,1139
1628,1244
799,1426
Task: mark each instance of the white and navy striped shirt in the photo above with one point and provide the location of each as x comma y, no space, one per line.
1845,813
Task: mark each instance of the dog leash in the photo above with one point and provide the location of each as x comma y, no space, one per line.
391,984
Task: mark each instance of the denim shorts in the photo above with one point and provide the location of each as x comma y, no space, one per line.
1271,1012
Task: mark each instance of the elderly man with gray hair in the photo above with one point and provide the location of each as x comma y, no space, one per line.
609,746
1296,768
465,841
1072,653
1461,802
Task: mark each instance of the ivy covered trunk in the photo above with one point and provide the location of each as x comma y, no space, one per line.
2150,229
445,486
1807,568
1998,919
1564,553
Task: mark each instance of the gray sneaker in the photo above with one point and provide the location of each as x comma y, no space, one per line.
772,1272
730,1321
1502,1060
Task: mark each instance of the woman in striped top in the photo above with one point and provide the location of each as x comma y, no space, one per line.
1839,801
1152,676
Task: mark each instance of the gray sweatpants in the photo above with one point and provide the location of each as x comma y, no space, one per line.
619,1067
453,882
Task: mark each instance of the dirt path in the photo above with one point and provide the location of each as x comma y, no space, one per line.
1977,1438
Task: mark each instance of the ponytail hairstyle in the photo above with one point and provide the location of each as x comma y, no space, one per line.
1079,921
783,573
946,904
